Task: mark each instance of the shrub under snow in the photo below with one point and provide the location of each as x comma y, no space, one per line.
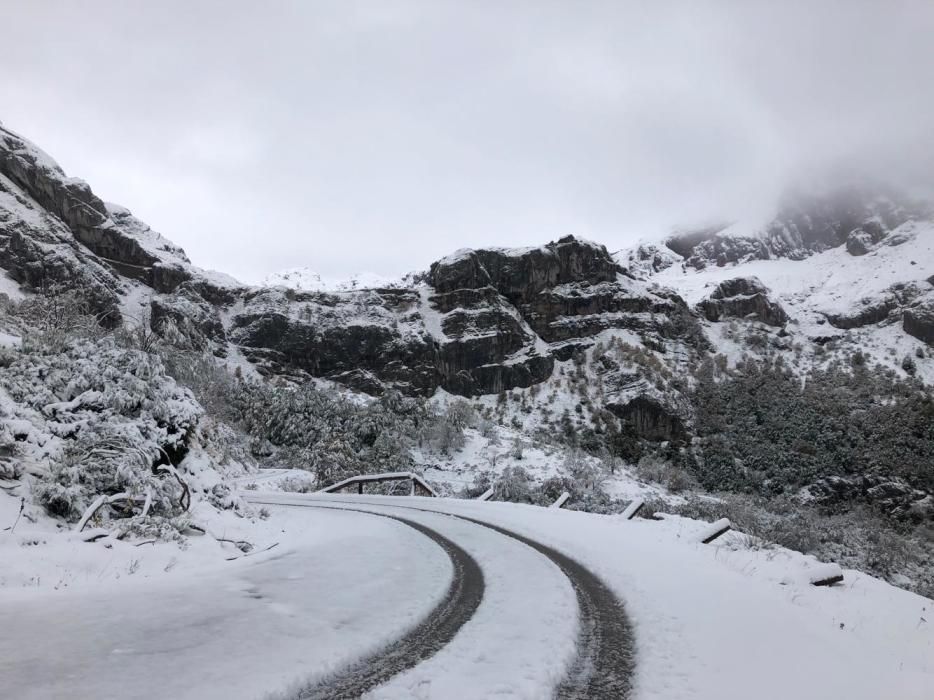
98,419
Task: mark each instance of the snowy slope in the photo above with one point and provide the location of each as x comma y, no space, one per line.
307,280
825,283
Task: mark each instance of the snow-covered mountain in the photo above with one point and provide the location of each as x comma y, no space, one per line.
304,279
794,357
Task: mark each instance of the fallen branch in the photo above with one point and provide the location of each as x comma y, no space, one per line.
242,545
94,535
185,500
148,504
258,551
100,502
562,499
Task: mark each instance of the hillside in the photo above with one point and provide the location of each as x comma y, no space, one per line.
788,366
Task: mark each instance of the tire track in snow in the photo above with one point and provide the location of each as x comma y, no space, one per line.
421,642
604,663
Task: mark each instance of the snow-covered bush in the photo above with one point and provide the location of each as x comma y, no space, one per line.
55,318
319,431
104,420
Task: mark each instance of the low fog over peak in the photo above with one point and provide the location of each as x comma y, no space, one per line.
354,136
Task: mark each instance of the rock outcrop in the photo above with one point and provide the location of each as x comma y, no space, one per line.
743,297
487,321
918,321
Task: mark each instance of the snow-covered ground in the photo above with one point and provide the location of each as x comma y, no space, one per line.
337,586
830,283
307,280
711,621
728,621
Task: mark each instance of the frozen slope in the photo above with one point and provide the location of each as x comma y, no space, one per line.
830,282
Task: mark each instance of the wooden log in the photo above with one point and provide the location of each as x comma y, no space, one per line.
715,530
633,508
826,575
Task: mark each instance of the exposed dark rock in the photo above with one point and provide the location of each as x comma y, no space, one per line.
873,311
166,277
743,297
858,242
647,259
892,496
39,252
919,321
486,346
111,233
193,316
684,242
650,417
330,335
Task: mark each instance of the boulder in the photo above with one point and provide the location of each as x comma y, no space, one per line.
743,297
919,321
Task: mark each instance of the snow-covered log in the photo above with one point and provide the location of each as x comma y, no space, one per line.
633,508
714,530
826,575
562,499
486,495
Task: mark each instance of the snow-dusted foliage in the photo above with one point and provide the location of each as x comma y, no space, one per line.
847,433
322,432
98,419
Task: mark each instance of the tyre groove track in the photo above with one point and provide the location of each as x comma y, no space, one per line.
421,642
604,663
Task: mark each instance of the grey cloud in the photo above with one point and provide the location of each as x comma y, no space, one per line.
378,136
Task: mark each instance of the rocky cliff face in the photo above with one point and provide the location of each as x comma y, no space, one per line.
481,322
478,322
486,321
830,277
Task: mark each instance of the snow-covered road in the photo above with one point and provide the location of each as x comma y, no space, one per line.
546,626
343,586
723,621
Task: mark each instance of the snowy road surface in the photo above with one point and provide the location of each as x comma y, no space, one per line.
601,665
347,585
724,621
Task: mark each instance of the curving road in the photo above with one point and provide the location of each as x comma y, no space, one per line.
439,627
603,662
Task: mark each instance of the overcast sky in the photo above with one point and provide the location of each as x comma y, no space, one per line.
378,136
